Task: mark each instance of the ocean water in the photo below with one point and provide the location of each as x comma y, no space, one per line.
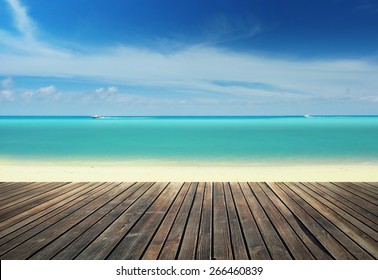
220,140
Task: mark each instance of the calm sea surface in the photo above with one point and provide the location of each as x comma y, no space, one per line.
194,139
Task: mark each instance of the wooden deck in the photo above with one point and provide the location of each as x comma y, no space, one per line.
189,220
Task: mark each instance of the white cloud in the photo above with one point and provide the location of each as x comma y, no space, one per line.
6,83
109,90
43,93
47,90
23,22
7,95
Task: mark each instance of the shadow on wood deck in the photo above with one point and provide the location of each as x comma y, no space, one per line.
147,220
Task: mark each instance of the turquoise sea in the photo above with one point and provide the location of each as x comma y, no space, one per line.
250,140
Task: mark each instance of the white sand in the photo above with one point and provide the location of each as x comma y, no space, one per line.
75,173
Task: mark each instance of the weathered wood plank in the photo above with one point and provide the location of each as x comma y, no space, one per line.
68,237
153,250
237,238
255,244
171,245
132,246
72,250
359,232
323,214
296,247
222,249
314,246
220,220
104,244
35,217
313,224
204,249
189,240
41,239
272,240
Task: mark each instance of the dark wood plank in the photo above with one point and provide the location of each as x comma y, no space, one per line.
296,247
35,217
313,245
132,246
62,220
104,244
41,239
359,232
369,195
345,208
256,247
316,225
369,207
77,230
222,249
335,226
367,187
33,202
189,240
34,189
237,238
171,245
273,242
204,249
12,187
72,250
372,202
153,250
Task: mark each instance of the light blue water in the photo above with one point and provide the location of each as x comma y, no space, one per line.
195,139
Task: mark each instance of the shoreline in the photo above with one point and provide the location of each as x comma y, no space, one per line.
38,172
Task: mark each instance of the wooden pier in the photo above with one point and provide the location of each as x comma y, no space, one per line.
215,220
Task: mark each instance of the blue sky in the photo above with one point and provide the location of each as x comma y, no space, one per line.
139,57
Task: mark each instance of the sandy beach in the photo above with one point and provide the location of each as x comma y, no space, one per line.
145,172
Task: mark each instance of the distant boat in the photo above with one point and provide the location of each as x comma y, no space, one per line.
97,117
307,116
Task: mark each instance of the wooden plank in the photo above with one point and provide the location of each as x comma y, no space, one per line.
313,245
171,245
255,244
10,187
204,249
359,232
35,217
333,225
273,242
132,246
33,202
371,202
72,250
222,249
31,246
296,247
153,250
356,209
21,190
352,197
190,238
371,196
237,238
104,244
34,191
50,250
314,225
367,187
372,227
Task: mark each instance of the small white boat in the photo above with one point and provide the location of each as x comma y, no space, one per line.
97,117
307,116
